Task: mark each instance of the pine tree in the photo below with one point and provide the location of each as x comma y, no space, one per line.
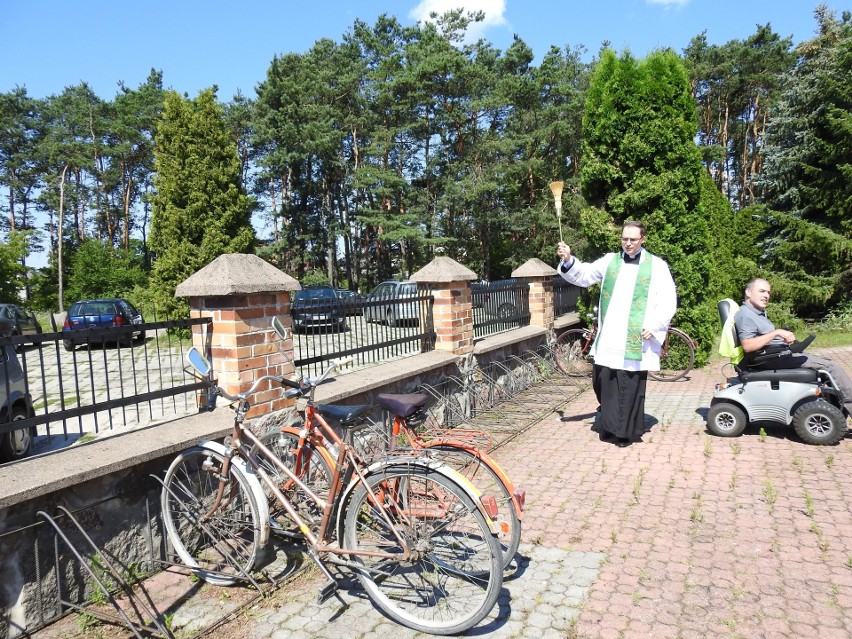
807,181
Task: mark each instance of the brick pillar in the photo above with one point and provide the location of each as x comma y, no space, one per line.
540,278
453,315
241,294
449,283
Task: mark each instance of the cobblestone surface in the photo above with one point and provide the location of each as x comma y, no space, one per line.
682,535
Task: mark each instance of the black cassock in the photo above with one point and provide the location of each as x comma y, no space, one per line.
621,395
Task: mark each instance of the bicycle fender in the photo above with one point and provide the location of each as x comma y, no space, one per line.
432,465
491,463
253,482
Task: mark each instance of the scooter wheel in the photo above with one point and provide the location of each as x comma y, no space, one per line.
819,423
726,420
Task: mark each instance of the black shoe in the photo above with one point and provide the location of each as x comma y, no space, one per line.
622,442
606,436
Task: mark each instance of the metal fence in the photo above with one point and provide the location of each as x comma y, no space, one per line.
565,297
368,330
499,306
109,380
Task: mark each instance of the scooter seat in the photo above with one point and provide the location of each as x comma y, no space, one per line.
798,375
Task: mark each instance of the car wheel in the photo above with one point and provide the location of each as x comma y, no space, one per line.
140,339
505,310
819,423
18,443
68,344
726,420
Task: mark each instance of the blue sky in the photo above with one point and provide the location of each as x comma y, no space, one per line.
47,44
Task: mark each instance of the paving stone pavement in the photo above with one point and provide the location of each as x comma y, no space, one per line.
684,535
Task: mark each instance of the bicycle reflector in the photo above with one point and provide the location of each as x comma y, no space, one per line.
490,505
521,496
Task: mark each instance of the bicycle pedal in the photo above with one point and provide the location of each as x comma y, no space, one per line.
327,591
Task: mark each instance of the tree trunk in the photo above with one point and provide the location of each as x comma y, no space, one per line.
59,235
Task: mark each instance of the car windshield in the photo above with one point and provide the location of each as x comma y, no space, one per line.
315,294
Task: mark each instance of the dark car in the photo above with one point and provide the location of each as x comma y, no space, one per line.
100,314
15,405
317,307
502,299
15,320
352,303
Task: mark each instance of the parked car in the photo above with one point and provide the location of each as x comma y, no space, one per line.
104,313
317,307
16,404
387,303
352,302
505,298
15,320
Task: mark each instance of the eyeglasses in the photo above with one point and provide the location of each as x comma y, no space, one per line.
626,240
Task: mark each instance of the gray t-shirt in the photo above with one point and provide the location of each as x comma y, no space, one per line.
751,322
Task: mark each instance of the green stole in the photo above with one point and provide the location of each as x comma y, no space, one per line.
633,347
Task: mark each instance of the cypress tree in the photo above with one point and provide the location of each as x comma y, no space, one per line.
199,210
640,162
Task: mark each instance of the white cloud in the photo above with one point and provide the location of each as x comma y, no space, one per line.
493,10
669,3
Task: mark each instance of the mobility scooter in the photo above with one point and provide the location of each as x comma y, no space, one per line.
808,399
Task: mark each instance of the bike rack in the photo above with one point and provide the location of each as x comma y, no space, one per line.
498,393
573,376
136,603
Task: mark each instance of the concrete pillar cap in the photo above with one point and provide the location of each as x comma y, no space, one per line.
236,274
444,269
534,267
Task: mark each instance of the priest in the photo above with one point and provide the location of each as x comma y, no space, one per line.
637,302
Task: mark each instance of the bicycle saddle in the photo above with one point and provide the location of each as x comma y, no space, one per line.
345,415
402,405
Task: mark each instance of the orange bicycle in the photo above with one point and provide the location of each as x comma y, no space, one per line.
573,347
415,532
310,450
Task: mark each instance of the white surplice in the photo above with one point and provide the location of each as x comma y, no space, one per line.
611,342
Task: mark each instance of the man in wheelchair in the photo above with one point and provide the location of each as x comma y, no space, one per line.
768,348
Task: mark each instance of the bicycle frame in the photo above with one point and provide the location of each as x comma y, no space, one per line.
316,541
348,471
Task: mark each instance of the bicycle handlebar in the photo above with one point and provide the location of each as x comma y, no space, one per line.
297,388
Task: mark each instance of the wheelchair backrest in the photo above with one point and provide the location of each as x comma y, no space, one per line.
729,344
728,309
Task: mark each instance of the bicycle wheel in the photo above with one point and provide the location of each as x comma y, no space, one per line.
308,463
571,352
476,467
452,577
223,547
676,357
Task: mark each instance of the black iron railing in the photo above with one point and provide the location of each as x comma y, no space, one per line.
565,297
499,306
108,379
366,329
